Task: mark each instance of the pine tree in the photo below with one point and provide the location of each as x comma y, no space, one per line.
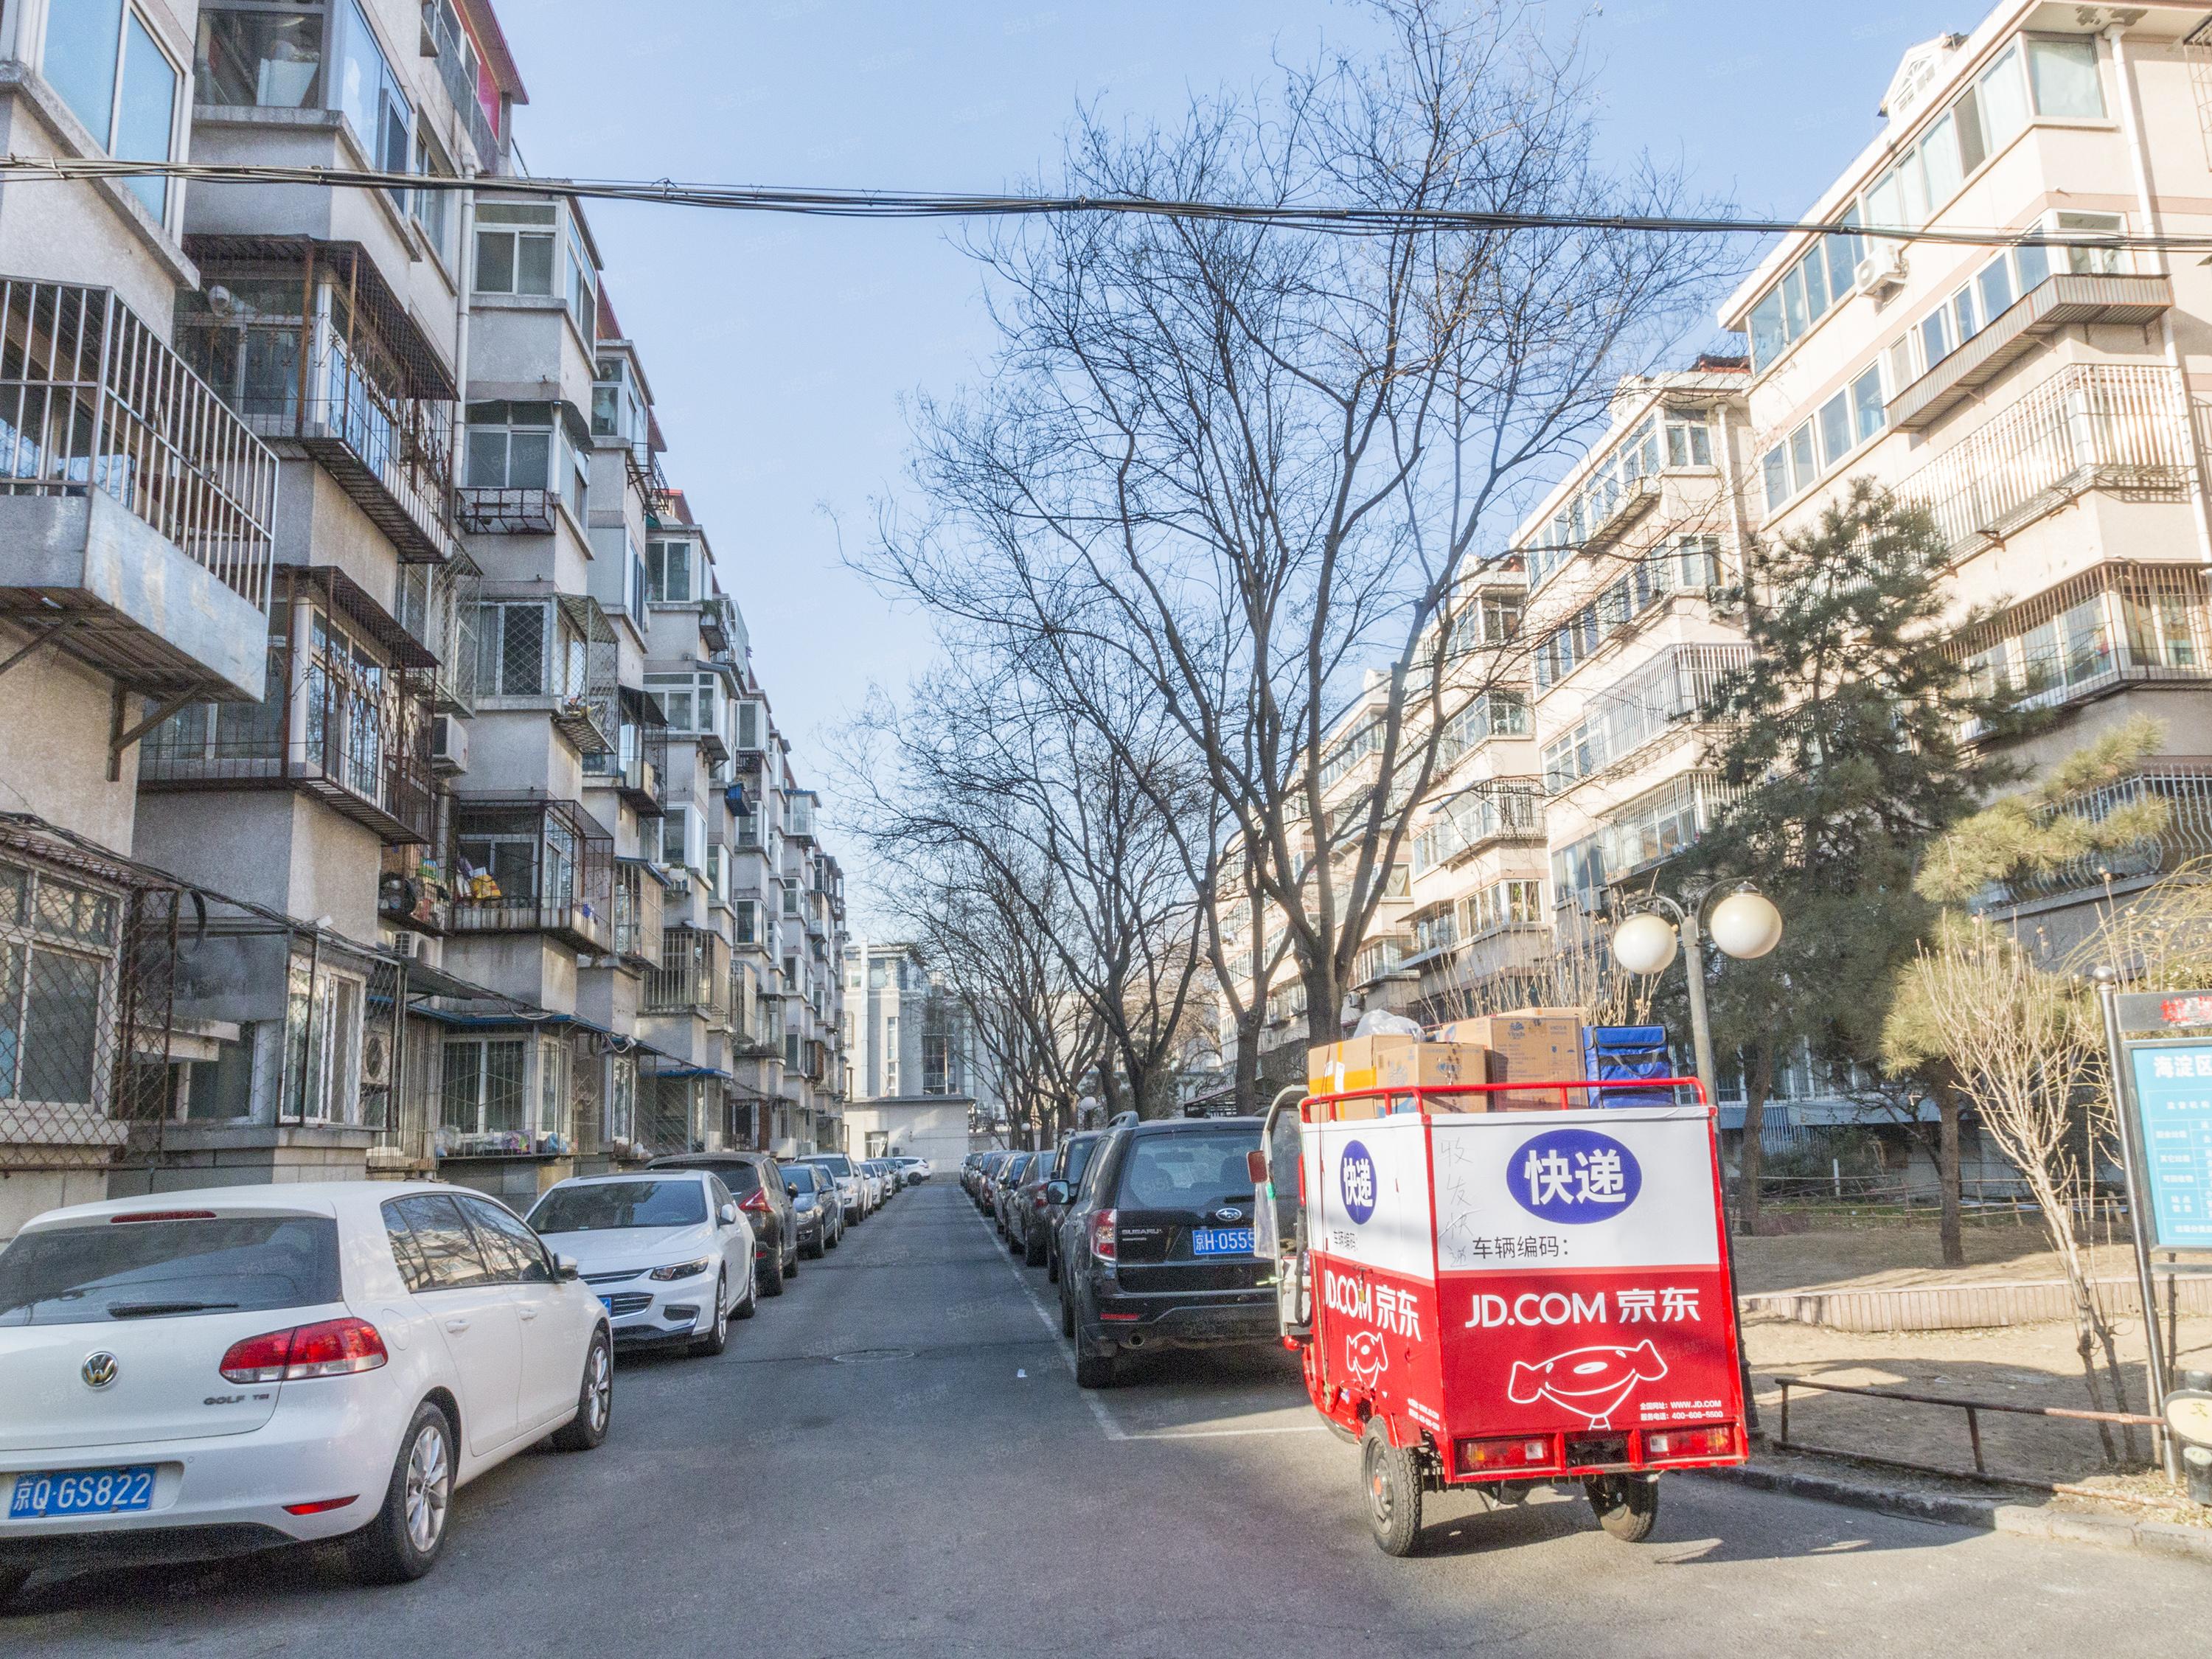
1841,749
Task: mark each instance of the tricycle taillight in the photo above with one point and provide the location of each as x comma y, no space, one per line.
1103,1234
1712,1440
1520,1451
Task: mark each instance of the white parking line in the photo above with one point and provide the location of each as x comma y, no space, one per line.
1112,1430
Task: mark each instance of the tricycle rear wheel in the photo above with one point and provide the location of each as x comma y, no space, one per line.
1627,1505
1392,1477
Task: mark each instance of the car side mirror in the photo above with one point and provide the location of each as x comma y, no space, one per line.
1056,1191
1255,1165
566,1268
729,1215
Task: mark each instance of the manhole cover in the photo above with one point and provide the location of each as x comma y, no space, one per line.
871,1356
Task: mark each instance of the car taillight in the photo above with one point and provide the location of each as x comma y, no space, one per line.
1515,1452
332,1347
1101,1235
756,1201
1714,1440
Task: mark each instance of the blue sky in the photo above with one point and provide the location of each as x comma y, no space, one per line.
780,348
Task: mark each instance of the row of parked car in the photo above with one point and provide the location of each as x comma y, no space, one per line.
224,1369
1147,1229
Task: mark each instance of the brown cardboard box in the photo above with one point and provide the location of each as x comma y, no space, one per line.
1529,1047
1398,1062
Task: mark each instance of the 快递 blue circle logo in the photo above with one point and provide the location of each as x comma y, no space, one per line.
1574,1175
1355,1176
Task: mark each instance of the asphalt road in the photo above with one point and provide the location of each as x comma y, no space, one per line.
895,1458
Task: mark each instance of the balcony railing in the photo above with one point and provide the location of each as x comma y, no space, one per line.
2184,785
347,718
530,863
2093,426
1676,686
487,511
1637,496
92,398
693,975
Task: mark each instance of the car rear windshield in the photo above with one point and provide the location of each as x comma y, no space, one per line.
1078,1160
742,1178
799,1178
611,1204
835,1163
1187,1171
158,1269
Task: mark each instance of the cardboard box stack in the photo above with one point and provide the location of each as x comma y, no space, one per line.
1530,1045
1397,1063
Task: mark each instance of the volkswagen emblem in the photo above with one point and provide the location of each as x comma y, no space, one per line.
1229,1215
97,1370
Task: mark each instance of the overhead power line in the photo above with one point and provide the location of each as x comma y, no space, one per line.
1368,220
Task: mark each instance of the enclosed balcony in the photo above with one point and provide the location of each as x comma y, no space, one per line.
692,977
136,512
312,349
637,765
2123,623
347,718
640,895
2119,427
531,864
554,652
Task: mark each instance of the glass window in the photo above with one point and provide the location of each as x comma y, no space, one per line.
1885,203
1935,336
447,1256
668,572
1994,287
2063,74
2091,261
145,115
610,1206
1843,251
1767,338
1835,419
1868,415
1802,467
510,446
152,1269
2002,97
2032,265
369,94
271,59
514,247
1972,150
83,37
482,1082
433,209
1816,284
513,1250
1962,315
1793,301
1939,160
1777,468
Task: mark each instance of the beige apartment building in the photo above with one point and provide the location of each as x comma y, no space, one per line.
2045,404
384,792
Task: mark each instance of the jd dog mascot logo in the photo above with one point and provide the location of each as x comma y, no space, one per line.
1355,1179
1574,1176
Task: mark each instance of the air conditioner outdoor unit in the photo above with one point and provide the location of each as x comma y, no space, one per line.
449,744
1881,273
375,1060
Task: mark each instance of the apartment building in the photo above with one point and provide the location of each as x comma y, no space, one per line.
2045,404
351,831
919,1075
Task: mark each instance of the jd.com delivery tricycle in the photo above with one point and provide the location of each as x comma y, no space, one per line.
1490,1295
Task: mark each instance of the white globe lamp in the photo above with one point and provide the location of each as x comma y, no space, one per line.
1747,926
1646,944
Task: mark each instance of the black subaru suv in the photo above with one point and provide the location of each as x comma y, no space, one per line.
1158,1246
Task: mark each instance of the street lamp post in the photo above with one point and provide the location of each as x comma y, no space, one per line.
1746,925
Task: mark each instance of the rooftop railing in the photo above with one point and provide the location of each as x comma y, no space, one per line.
92,398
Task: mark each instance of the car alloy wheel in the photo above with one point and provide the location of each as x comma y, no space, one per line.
599,1387
428,1488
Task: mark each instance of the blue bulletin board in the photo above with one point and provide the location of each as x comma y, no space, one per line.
2173,1104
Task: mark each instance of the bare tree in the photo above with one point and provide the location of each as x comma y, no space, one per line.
1251,463
2022,1050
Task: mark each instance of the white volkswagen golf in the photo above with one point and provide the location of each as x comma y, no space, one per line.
213,1372
667,1251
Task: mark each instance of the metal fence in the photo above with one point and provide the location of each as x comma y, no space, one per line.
92,398
87,977
2089,426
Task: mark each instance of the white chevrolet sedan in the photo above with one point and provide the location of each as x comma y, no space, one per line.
668,1253
215,1371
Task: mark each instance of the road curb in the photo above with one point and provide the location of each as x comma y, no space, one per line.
1984,1514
